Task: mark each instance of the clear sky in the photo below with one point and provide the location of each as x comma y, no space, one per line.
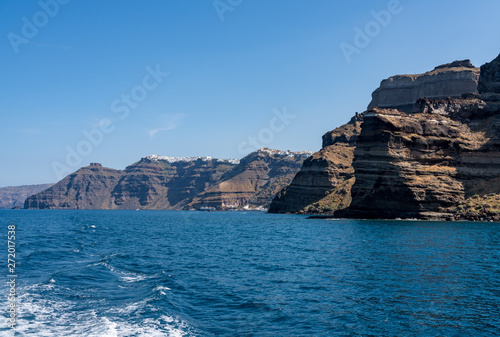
241,73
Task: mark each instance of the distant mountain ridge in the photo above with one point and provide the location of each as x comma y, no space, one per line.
175,183
14,196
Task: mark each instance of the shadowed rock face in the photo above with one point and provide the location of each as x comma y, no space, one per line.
14,196
425,165
449,80
324,182
490,77
172,183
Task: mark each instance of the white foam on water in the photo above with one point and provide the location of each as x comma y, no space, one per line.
125,276
129,309
133,278
39,316
154,328
161,289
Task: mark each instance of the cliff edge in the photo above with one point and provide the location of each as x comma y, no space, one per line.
448,80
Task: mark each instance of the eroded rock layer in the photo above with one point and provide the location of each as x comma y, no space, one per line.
426,165
448,80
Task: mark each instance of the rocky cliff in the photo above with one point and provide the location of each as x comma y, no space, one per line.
14,196
432,158
324,182
426,165
157,182
254,181
448,80
442,162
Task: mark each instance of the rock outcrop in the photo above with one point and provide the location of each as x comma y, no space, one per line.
157,182
14,196
449,80
489,80
324,182
425,165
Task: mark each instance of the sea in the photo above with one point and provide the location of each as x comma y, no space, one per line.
189,273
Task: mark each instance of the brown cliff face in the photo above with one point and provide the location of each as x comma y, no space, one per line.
437,160
324,182
14,196
253,182
159,184
449,80
426,165
174,183
151,183
88,188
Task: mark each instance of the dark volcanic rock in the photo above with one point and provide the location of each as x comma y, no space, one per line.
489,81
324,182
456,64
156,183
425,165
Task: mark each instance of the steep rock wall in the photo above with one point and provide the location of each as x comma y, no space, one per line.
449,80
426,165
254,182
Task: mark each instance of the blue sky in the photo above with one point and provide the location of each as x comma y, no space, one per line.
271,71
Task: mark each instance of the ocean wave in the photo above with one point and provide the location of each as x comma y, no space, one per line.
162,289
39,316
125,276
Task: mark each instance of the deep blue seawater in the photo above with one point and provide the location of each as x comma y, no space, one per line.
161,273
